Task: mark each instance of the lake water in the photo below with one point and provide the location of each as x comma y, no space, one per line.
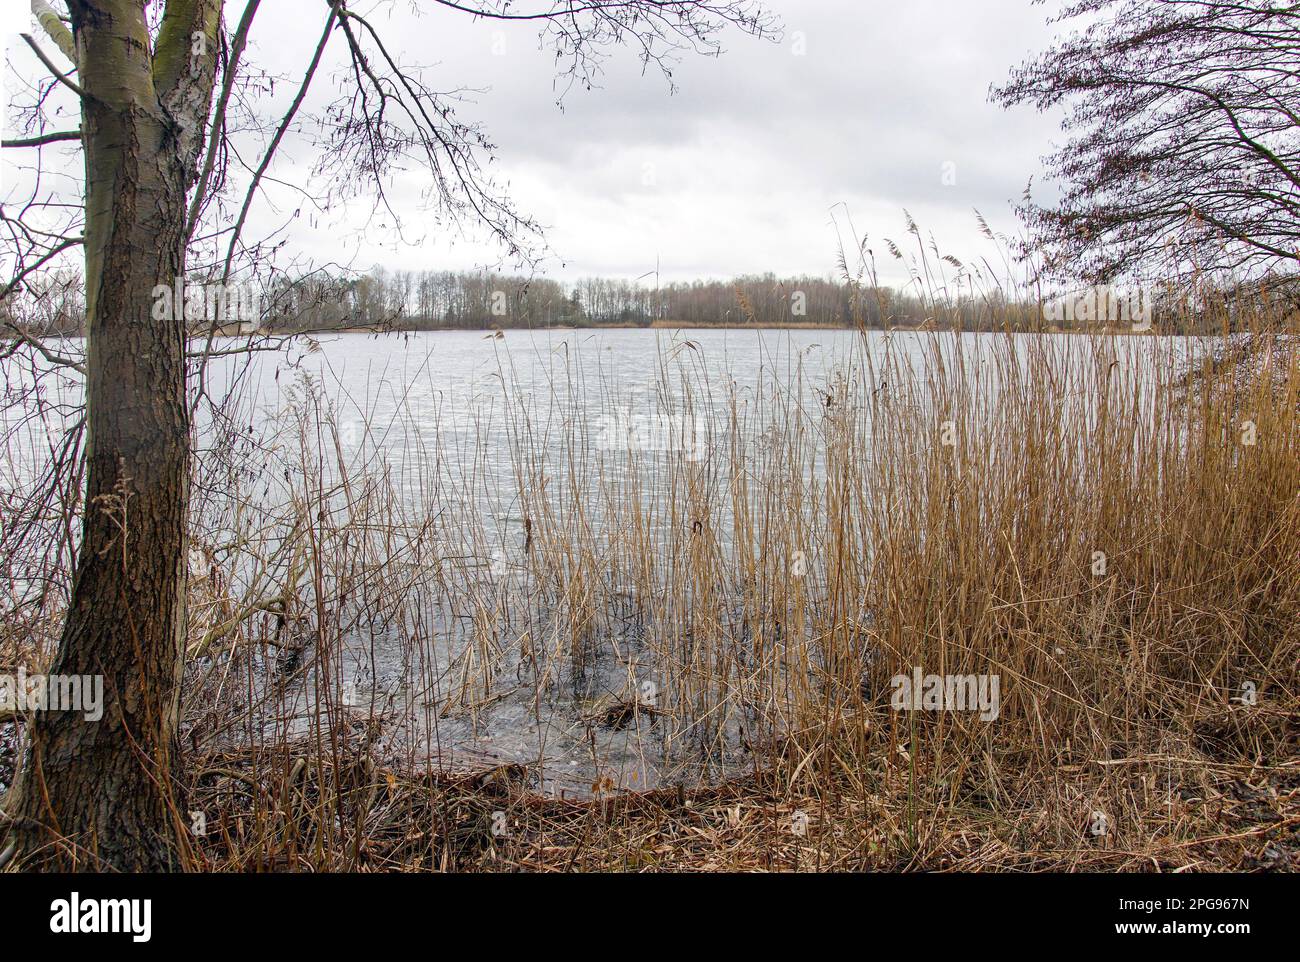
448,414
438,613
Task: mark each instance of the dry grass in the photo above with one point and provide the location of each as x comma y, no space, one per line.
793,570
448,822
1109,525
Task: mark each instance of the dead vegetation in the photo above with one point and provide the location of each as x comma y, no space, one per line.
1109,525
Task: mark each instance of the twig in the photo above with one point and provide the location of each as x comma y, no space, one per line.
61,78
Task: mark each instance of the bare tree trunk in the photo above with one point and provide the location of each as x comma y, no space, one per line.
104,794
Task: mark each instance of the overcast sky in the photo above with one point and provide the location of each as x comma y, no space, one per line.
864,103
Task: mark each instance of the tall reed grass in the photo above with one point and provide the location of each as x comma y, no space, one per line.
707,613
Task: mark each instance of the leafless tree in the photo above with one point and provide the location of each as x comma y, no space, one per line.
1184,141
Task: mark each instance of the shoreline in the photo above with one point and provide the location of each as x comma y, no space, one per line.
674,326
1123,331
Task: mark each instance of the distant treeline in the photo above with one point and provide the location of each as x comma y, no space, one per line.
460,300
452,300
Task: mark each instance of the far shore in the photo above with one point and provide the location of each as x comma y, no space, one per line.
239,331
1124,329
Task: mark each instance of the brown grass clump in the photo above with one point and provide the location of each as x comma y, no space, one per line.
1109,526
1120,546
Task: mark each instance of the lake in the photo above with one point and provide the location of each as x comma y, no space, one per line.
565,549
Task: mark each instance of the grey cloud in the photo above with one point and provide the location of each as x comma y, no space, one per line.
743,163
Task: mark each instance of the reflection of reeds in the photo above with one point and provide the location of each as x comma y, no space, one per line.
1108,538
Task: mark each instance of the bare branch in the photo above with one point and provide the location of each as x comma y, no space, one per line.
44,139
50,22
60,77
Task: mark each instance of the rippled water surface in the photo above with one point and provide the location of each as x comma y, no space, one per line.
459,424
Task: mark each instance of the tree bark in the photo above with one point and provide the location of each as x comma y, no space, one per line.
103,794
